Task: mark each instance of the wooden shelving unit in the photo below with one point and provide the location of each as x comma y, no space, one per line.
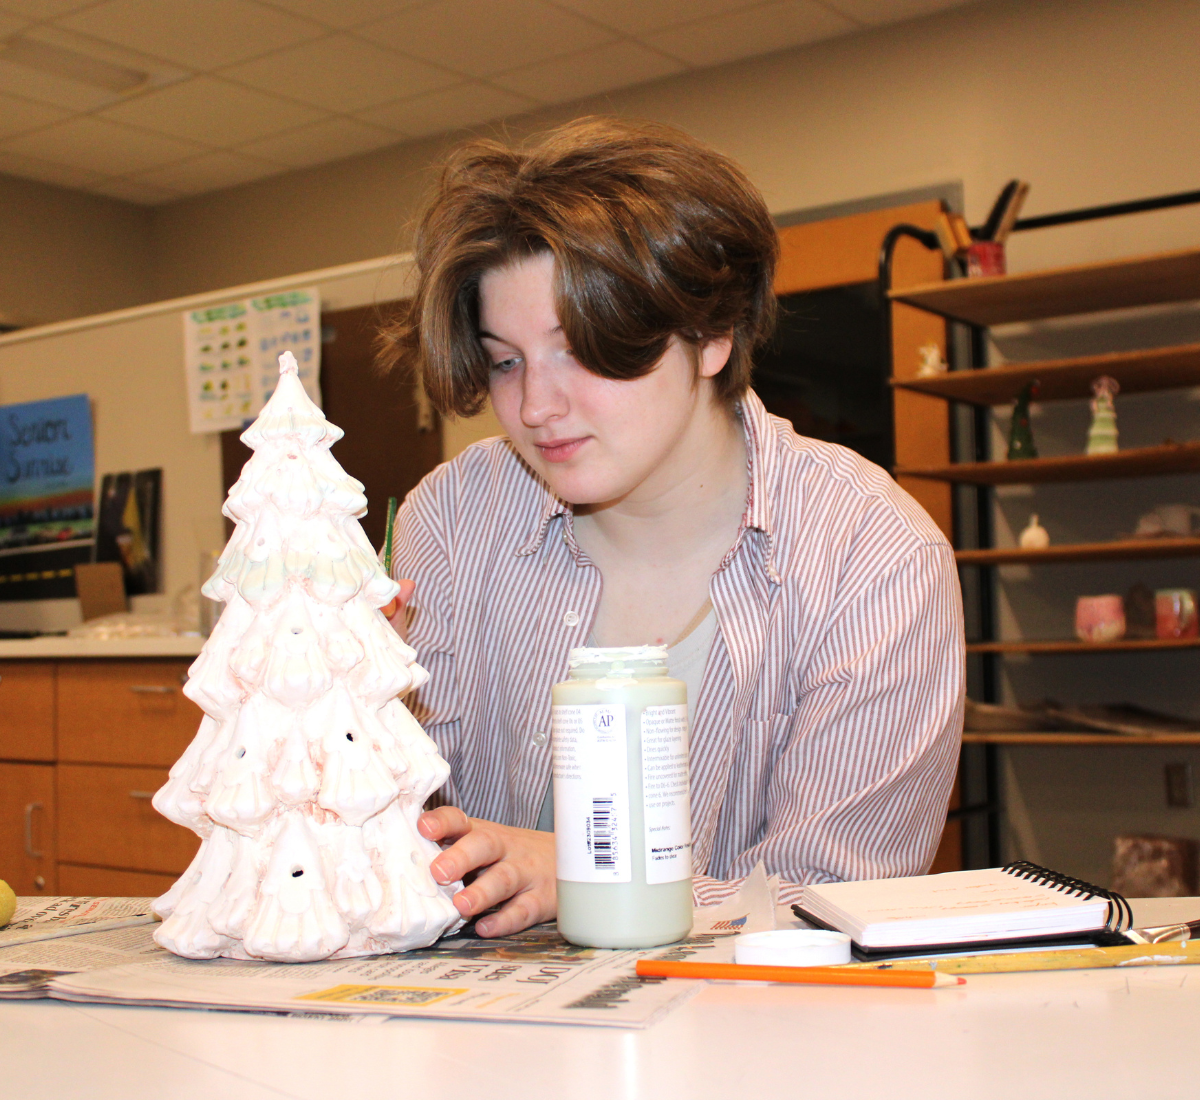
1167,458
1121,550
1066,379
1054,737
1061,292
1073,645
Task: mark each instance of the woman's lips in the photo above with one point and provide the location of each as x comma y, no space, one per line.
559,450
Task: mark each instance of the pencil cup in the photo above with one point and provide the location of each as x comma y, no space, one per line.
986,258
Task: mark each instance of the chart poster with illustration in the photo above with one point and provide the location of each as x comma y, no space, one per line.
47,482
231,355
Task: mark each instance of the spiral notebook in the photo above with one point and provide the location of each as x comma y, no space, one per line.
1017,905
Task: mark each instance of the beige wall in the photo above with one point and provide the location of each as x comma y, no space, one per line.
1091,100
67,254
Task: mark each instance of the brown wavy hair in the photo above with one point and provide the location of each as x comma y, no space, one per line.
653,235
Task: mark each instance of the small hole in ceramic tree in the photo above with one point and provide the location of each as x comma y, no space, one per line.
349,737
240,753
297,872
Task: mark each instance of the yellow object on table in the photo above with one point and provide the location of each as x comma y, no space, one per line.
8,903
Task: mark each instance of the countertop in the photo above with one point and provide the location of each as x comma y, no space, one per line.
54,647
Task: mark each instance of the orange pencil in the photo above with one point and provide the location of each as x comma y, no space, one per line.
810,975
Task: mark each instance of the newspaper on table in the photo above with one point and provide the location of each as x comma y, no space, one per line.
533,976
26,969
51,918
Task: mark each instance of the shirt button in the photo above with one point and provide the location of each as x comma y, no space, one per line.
570,619
539,739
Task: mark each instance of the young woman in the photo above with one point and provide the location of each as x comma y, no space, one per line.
605,289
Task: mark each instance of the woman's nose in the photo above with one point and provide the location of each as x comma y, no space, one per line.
542,395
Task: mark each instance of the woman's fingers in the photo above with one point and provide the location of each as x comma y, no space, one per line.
478,847
444,823
529,908
514,866
394,611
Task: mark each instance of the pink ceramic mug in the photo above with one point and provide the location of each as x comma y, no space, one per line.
1099,618
1175,613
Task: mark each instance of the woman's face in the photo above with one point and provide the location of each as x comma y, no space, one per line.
594,440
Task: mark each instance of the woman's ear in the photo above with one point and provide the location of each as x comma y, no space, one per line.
714,354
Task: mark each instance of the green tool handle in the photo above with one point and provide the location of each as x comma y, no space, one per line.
387,536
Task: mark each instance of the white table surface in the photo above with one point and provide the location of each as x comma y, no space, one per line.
1096,1033
1119,1033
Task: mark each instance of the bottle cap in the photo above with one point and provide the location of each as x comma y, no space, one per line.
792,947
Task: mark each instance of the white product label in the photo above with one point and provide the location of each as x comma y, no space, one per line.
665,794
591,793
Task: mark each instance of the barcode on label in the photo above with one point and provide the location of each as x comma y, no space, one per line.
603,847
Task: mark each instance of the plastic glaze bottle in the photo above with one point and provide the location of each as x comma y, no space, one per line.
622,826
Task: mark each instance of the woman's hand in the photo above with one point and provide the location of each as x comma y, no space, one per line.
514,865
394,611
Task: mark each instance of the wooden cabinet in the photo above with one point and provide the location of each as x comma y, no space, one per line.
105,819
124,712
27,828
27,710
104,733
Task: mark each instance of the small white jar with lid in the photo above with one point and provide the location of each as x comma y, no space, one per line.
622,824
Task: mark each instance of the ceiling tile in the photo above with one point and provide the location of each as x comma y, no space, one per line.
617,65
143,194
641,16
210,172
344,13
326,141
19,115
97,145
751,31
340,74
76,95
478,39
202,35
464,105
891,11
43,9
214,112
13,164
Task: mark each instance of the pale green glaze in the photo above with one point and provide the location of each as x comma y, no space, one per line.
635,913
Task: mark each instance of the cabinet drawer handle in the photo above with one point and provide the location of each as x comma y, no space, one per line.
151,689
141,794
30,851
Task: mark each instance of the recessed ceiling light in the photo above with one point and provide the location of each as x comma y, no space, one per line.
59,61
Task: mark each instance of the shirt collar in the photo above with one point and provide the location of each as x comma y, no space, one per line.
758,514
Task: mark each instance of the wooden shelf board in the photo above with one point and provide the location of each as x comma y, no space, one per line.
1061,292
1120,550
1072,645
1168,458
1055,737
1066,379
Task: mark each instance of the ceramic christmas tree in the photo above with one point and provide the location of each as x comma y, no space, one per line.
308,774
1102,435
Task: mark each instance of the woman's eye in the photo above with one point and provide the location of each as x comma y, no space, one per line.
505,365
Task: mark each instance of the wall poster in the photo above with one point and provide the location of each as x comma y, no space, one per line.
231,354
47,482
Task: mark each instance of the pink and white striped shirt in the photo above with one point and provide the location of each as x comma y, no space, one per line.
826,733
